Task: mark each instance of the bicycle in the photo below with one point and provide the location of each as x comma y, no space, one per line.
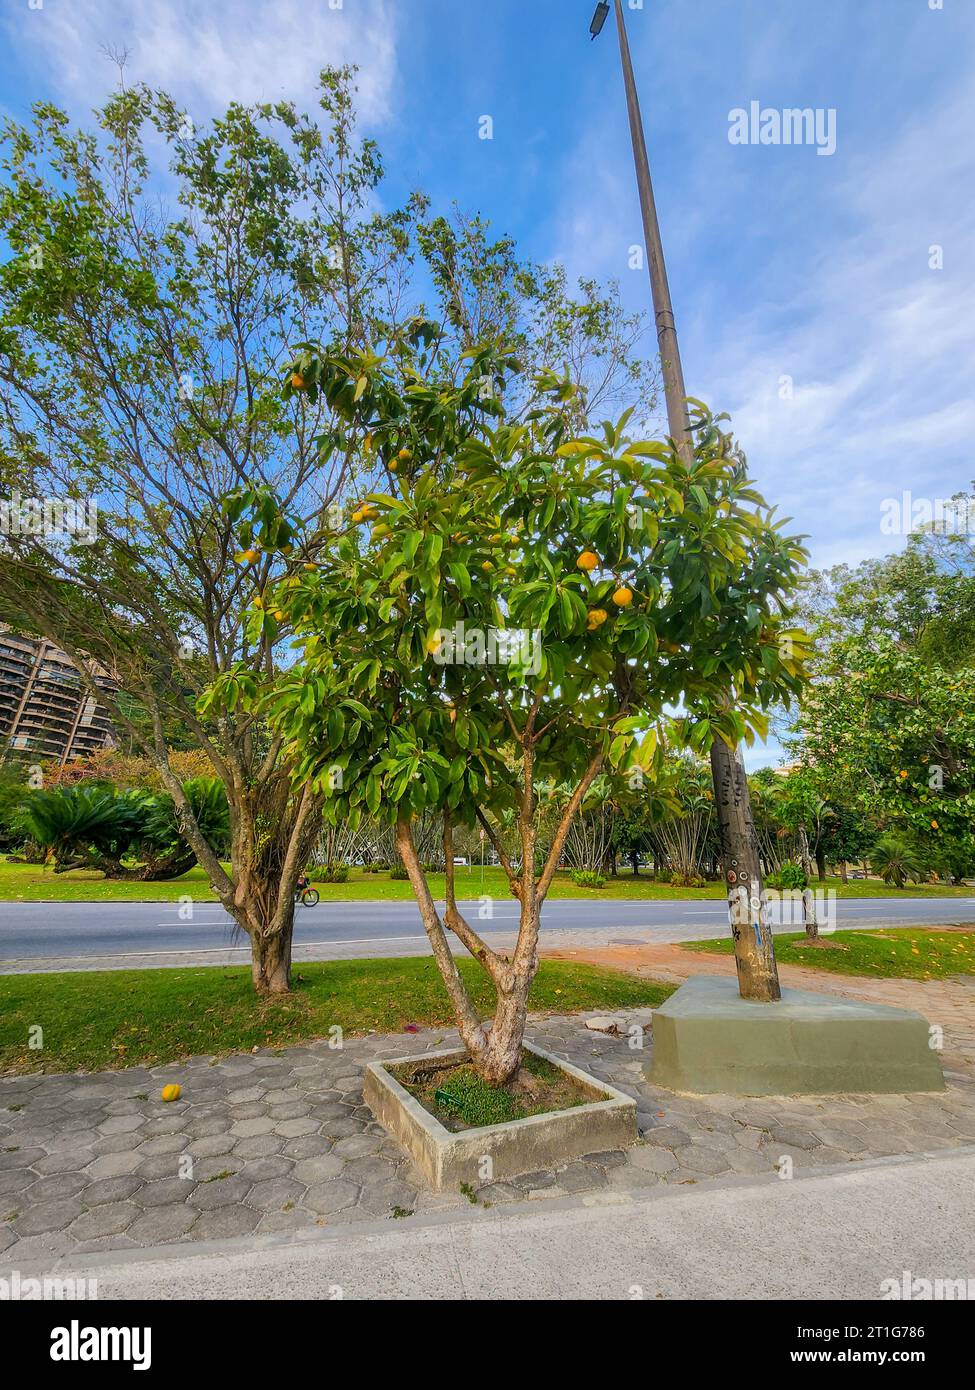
310,897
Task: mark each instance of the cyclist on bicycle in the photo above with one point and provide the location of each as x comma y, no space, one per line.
302,884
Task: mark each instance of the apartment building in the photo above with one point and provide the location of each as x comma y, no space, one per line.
44,708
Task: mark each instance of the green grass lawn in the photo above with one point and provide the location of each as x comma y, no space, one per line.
914,953
31,883
120,1018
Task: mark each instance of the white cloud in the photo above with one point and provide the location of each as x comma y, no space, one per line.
820,274
208,54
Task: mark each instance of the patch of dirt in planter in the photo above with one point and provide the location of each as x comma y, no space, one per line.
459,1099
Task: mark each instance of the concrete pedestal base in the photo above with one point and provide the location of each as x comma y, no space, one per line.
706,1038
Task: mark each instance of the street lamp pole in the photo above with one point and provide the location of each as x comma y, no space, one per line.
740,859
663,309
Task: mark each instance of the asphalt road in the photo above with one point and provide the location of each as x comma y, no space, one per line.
833,1233
132,934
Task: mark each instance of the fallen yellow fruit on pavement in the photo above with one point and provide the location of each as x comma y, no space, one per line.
172,1091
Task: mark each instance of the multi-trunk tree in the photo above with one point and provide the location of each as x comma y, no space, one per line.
519,605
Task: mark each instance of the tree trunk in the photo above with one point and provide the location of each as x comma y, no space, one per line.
502,1056
821,865
758,977
271,961
635,862
843,872
808,901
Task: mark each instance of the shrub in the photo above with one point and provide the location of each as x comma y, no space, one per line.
397,871
333,873
790,877
588,878
685,880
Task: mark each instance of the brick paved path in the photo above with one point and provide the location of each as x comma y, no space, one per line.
281,1140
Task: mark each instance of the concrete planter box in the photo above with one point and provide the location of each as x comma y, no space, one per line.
447,1159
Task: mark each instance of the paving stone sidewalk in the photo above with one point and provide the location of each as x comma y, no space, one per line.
280,1140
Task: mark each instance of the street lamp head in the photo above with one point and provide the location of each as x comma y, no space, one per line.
599,19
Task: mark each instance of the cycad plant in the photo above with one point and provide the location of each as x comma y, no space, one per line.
83,827
897,860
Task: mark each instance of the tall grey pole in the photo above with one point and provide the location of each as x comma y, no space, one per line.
741,865
673,373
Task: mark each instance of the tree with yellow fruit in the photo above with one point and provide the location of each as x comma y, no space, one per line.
399,682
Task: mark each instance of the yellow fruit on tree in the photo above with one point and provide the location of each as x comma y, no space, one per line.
172,1091
250,555
588,560
487,567
298,381
623,597
596,618
310,567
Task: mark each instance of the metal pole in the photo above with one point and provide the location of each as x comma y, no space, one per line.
740,860
673,373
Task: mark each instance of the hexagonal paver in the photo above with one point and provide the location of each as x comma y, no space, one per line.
114,1165
243,1094
651,1159
358,1146
207,1128
384,1198
250,1129
16,1180
309,1146
163,1191
121,1124
330,1197
159,1225
274,1195
108,1220
261,1146
163,1124
267,1169
323,1168
221,1192
225,1223
296,1129
211,1145
20,1158
369,1170
58,1185
109,1190
42,1217
163,1144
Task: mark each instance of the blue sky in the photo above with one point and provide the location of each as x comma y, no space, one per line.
783,263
